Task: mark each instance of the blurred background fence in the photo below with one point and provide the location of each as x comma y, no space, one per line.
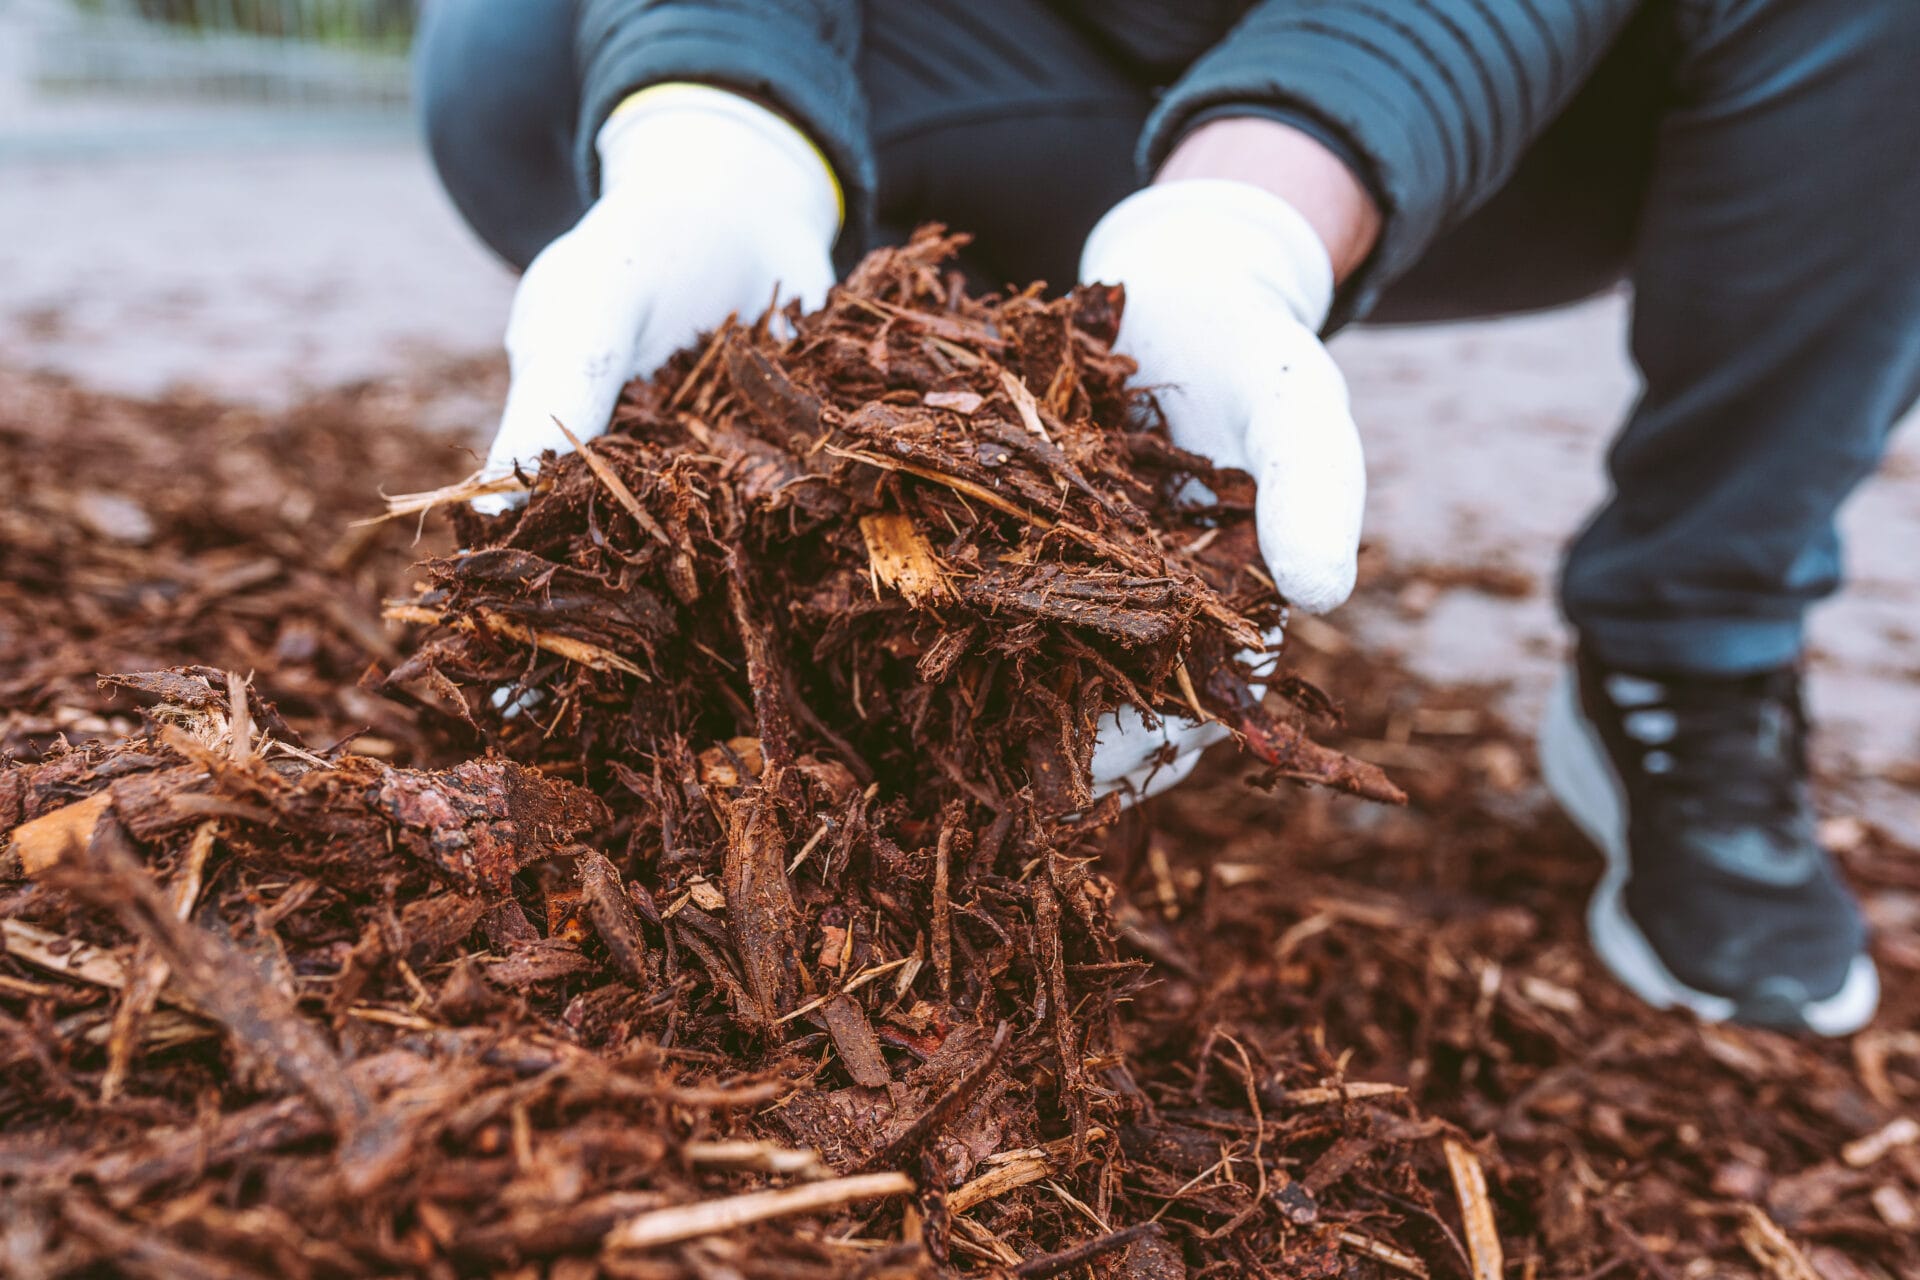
294,53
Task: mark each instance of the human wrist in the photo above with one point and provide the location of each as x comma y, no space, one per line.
1292,164
695,132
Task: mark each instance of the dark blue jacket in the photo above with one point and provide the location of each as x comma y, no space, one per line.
1457,82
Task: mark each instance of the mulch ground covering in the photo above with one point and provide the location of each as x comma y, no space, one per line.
774,931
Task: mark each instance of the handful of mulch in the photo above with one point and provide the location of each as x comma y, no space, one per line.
932,536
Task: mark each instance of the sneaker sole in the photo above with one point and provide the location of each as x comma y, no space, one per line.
1581,779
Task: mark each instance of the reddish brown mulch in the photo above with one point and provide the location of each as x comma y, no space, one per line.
320,988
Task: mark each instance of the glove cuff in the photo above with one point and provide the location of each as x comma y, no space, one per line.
1192,225
668,131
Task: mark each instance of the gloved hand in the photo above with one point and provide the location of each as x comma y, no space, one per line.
708,202
1227,288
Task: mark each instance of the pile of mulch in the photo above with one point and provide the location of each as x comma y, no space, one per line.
136,536
779,893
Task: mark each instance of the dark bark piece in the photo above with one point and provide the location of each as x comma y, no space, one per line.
853,1039
1335,1163
1048,945
1181,1150
485,820
1153,1257
147,804
761,917
941,924
1290,751
770,396
1128,612
548,595
613,916
839,1124
199,689
466,997
182,686
13,798
765,677
1059,784
434,926
945,1108
540,961
507,927
1080,1255
1296,1204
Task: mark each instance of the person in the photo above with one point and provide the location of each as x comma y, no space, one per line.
1257,175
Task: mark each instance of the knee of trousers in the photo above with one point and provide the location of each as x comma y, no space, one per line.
495,95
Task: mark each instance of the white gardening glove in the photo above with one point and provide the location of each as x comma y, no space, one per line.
1227,288
708,202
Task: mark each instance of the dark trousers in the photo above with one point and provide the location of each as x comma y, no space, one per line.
1751,166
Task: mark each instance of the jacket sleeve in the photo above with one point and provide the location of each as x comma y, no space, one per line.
1433,100
797,56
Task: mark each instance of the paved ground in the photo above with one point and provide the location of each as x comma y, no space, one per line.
257,265
247,273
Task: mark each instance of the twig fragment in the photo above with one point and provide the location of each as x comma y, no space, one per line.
1476,1211
711,1217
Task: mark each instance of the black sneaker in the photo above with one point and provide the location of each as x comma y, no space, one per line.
1717,896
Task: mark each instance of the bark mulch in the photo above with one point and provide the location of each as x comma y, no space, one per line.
703,881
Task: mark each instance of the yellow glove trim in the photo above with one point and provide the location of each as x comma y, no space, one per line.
653,94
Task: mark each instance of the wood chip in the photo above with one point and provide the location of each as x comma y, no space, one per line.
417,504
150,972
756,1157
853,1039
903,559
1024,404
965,403
690,1222
1382,1252
1476,1211
942,924
1861,1152
1771,1247
1082,1255
706,895
1011,1170
605,897
1895,1208
68,957
1326,1095
573,650
958,484
41,843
